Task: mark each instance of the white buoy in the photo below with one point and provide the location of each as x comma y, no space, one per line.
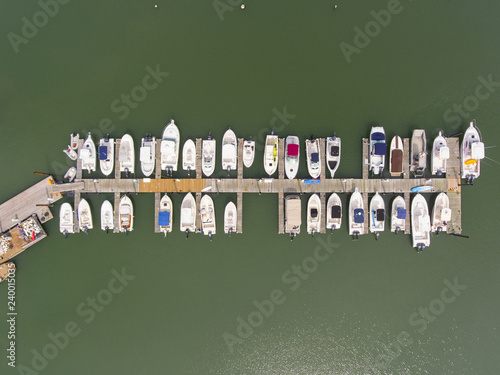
156,5
243,6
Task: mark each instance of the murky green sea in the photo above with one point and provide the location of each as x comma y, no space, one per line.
253,303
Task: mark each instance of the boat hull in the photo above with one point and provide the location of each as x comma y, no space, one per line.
470,163
230,218
126,154
229,150
396,157
88,155
169,147
356,203
85,221
293,213
398,222
440,155
377,150
188,214
248,153
334,212
147,155
314,214
107,164
207,212
126,215
313,155
189,156
377,214
107,216
418,153
208,156
292,146
166,215
420,222
333,152
66,218
441,213
271,154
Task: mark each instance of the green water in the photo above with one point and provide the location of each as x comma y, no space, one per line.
172,317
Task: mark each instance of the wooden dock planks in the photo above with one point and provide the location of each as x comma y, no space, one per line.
199,158
116,216
408,213
322,156
239,208
281,213
365,145
281,158
322,197
240,158
118,174
157,212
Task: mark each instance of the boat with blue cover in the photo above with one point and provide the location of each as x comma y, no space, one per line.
378,150
165,216
398,217
106,153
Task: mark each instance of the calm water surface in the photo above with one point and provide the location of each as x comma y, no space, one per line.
188,298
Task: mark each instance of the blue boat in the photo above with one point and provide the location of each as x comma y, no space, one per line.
418,189
312,181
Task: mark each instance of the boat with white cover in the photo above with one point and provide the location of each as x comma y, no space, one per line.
70,174
106,155
208,156
471,152
314,214
293,215
248,152
398,215
313,157
229,151
71,153
441,213
188,214
126,215
87,154
377,214
396,156
107,216
440,155
165,215
169,147
84,216
333,148
418,155
207,212
292,153
230,218
333,212
420,223
271,153
126,155
66,218
378,150
189,156
147,154
356,215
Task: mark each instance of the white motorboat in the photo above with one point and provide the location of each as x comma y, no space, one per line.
378,150
126,215
74,139
188,214
396,156
418,153
229,151
333,147
84,216
313,157
147,154
293,215
420,223
70,174
189,156
472,151
230,218
165,215
208,155
334,212
66,224
126,155
440,154
106,155
377,214
292,153
248,152
169,147
271,153
356,215
71,153
207,212
313,214
87,154
441,213
107,216
398,217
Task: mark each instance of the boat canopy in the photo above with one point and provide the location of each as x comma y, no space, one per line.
359,215
145,153
378,136
477,150
187,215
314,212
445,214
336,212
380,214
444,153
335,151
380,149
164,218
229,151
292,149
85,153
401,213
103,152
315,157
